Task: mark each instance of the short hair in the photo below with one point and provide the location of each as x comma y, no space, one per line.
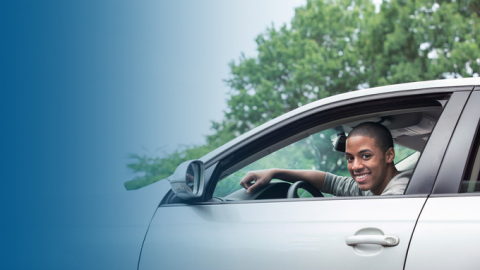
378,132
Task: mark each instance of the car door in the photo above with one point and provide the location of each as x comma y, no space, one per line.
301,233
447,233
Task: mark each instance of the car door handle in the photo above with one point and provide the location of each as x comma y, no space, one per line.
383,240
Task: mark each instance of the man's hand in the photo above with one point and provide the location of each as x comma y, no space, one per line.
256,179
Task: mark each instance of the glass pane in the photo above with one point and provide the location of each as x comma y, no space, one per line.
302,193
401,153
315,152
471,179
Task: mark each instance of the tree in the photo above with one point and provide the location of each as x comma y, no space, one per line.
421,40
315,58
334,46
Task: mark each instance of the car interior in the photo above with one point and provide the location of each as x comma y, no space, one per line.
410,129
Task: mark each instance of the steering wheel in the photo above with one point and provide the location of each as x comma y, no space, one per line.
292,191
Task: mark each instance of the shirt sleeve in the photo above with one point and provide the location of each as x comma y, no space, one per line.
341,186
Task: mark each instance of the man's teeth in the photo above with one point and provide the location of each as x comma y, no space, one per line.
360,177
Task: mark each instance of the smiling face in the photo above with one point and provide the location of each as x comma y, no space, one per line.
368,165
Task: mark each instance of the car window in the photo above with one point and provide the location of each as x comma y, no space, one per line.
402,153
471,178
315,152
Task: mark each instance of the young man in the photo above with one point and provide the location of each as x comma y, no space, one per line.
370,155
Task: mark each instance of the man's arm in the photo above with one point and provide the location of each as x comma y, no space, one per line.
256,179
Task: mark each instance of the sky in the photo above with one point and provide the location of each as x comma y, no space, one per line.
190,46
86,83
90,82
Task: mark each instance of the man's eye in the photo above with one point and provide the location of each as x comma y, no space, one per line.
366,156
349,159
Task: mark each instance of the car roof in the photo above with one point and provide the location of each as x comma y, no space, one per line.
341,97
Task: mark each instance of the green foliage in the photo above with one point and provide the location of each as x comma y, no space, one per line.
334,46
315,58
421,40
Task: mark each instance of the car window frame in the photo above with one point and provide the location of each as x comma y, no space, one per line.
386,99
428,166
459,150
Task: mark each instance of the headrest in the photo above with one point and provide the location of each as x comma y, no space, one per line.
340,142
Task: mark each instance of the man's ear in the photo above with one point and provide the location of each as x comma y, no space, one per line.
390,155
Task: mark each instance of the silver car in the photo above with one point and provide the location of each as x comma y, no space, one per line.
208,221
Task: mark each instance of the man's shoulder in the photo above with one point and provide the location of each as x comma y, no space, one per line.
397,185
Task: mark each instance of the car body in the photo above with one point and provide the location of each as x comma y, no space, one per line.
434,224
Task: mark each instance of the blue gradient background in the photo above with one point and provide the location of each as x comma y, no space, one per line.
85,83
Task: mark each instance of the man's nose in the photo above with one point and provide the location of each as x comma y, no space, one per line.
357,165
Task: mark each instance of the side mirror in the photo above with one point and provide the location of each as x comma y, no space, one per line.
188,179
